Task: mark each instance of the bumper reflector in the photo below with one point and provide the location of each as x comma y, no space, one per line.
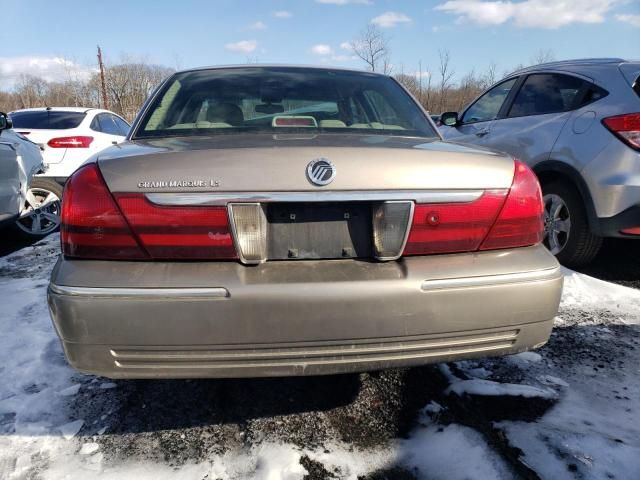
391,222
249,224
631,231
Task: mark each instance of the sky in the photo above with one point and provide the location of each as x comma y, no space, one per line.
57,39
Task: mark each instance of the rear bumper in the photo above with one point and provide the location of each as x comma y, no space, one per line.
613,226
171,320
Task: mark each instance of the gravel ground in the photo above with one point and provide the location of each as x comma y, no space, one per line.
180,423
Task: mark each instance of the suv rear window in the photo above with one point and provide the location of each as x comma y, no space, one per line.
281,99
47,120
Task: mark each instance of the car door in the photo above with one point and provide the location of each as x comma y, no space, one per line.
531,124
475,123
107,132
9,179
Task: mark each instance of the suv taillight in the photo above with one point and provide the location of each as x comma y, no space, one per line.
626,127
126,226
498,219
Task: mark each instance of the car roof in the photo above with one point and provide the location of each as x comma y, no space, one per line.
571,64
279,65
62,109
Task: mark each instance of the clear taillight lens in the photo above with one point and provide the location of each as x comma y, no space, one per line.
390,225
250,229
626,127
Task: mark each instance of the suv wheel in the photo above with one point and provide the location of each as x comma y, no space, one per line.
566,228
41,215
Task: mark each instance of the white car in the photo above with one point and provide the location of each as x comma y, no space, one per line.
68,136
34,211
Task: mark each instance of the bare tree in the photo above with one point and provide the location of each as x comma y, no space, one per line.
542,56
446,74
372,47
490,76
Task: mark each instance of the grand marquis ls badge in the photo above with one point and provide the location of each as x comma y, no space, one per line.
321,171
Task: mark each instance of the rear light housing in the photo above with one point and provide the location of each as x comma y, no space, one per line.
99,225
78,141
92,225
249,223
626,128
390,227
498,219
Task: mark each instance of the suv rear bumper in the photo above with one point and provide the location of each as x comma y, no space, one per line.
613,226
223,319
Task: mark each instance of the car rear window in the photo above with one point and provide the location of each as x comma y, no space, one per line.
281,99
47,120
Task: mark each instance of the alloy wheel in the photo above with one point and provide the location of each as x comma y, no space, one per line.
557,223
41,214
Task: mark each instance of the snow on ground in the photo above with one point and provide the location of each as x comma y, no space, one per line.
576,410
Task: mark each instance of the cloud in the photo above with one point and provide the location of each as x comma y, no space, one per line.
630,19
282,14
345,2
390,19
528,13
259,25
50,69
243,46
321,49
346,46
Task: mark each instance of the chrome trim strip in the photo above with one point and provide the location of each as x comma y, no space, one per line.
155,293
490,280
222,199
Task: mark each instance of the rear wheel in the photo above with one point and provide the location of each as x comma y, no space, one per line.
43,204
566,228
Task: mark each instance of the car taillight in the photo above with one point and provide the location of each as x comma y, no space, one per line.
92,225
521,220
126,226
79,141
626,127
178,233
498,219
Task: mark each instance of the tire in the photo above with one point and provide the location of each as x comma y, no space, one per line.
42,209
567,232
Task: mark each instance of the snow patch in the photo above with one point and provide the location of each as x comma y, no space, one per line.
588,293
481,387
69,391
71,429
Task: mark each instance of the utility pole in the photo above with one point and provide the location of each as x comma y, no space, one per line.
103,86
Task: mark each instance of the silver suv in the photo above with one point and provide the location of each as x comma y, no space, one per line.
577,124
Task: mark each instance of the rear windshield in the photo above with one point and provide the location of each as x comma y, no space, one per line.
47,120
277,100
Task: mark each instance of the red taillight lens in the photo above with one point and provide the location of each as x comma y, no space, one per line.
626,127
129,227
178,232
92,225
631,231
521,220
70,142
451,227
498,219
